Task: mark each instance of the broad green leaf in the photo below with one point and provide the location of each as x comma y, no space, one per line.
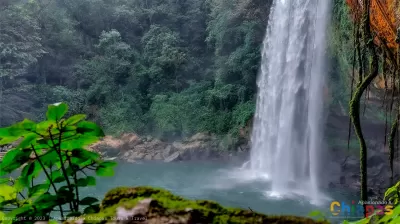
21,183
91,181
26,124
27,141
44,127
56,111
8,140
105,169
50,158
92,209
46,201
88,128
110,164
4,180
14,159
88,201
85,154
57,176
75,119
8,192
38,189
81,182
53,222
88,181
79,142
65,195
2,216
32,169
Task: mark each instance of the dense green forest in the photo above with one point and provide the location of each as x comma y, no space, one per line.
162,67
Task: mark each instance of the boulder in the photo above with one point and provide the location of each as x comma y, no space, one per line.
158,156
158,206
173,157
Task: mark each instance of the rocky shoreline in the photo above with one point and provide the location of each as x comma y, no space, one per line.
132,148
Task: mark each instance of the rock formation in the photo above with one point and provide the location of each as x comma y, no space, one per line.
156,206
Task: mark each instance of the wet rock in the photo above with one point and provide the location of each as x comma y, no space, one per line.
148,157
158,156
167,151
131,161
173,157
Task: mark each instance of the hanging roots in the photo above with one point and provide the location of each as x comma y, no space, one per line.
356,98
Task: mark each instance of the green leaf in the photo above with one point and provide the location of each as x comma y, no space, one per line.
32,169
2,216
43,127
27,141
56,111
78,142
84,154
50,158
88,201
88,128
14,159
4,180
38,190
46,202
65,195
75,119
92,209
8,192
26,124
91,181
88,181
105,169
8,140
21,183
57,176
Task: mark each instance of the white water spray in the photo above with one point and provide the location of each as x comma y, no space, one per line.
287,128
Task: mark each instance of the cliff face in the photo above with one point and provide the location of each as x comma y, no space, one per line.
385,17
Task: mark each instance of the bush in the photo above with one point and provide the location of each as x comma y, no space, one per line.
56,148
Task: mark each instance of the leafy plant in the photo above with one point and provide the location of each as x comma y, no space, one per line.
393,194
56,148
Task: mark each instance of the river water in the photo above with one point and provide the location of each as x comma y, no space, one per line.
222,182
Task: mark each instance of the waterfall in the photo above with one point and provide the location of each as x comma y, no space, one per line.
287,129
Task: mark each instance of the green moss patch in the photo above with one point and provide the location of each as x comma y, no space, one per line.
168,208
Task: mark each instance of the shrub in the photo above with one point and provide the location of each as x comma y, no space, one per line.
56,148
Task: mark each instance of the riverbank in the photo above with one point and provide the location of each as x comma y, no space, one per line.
132,148
341,169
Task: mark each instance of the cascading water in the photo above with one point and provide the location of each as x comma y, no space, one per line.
288,121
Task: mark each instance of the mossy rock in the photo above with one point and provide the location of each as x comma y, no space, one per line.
134,205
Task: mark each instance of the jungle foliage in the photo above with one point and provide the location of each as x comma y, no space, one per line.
163,67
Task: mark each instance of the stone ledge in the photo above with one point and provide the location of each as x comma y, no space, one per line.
149,205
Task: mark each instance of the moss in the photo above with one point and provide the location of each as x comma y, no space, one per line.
168,208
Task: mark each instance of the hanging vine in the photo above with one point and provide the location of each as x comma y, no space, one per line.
365,81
